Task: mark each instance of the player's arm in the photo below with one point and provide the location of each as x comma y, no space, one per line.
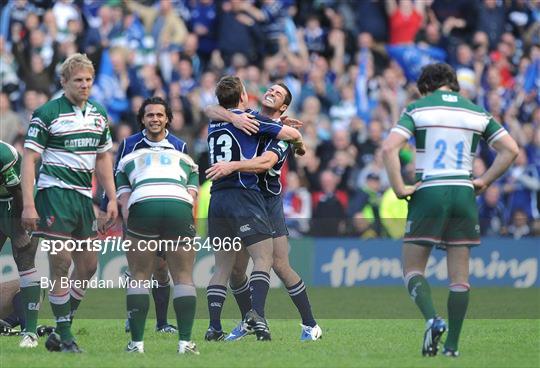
245,121
119,154
255,165
507,151
289,134
29,215
123,192
193,181
104,173
390,151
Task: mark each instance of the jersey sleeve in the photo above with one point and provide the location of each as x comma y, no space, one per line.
268,127
193,178
105,142
122,182
10,163
493,131
38,132
280,148
405,125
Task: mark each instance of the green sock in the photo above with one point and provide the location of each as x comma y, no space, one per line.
184,307
457,308
30,299
420,292
63,324
74,303
137,307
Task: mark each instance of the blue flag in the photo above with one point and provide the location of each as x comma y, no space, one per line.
361,95
531,79
413,58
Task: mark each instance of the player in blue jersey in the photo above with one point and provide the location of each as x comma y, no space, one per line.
238,210
271,157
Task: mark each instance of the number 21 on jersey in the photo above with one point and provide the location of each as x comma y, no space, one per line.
441,146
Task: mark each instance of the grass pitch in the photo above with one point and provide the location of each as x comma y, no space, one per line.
490,338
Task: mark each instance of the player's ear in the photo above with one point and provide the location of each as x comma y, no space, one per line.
283,108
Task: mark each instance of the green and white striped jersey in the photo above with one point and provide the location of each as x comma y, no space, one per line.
157,173
10,170
447,128
68,139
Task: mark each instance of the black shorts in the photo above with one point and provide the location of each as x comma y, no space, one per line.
238,213
274,207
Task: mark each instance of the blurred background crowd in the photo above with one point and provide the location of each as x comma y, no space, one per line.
350,64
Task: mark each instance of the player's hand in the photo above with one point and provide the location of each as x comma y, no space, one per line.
299,148
246,123
293,123
106,222
480,186
29,219
406,191
219,170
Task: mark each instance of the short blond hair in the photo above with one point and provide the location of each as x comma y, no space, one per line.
73,62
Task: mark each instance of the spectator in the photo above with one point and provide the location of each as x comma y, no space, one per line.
11,123
405,19
296,206
329,206
491,212
238,32
522,184
203,23
519,226
366,201
491,20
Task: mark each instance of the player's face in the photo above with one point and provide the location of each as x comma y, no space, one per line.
79,85
274,98
155,119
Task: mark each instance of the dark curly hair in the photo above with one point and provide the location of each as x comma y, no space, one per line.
154,101
434,76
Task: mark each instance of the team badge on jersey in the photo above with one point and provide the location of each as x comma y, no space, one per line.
50,220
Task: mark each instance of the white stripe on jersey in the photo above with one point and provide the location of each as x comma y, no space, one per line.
76,161
46,181
156,170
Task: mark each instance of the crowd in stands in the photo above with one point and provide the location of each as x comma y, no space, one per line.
350,64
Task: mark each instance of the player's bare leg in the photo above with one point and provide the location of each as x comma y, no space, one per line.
161,295
216,292
296,289
85,265
141,265
415,258
458,297
184,296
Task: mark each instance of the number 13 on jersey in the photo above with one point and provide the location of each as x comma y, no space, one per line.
220,148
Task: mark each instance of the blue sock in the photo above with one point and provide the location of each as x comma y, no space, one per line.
17,316
215,295
243,297
259,283
161,296
300,298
